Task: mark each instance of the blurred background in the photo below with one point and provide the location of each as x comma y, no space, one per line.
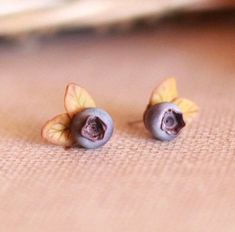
20,17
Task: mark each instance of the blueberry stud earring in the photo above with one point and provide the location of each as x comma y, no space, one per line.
83,124
167,113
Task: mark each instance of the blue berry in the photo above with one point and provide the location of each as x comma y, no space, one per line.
164,121
91,128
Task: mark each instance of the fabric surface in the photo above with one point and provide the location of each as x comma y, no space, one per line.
133,183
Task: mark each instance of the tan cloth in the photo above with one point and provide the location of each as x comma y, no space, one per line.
134,183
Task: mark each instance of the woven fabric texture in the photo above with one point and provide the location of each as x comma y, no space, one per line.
133,183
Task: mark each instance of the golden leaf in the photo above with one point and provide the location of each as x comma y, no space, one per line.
76,99
165,92
57,130
188,108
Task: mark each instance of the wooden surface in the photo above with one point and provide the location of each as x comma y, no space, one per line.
134,183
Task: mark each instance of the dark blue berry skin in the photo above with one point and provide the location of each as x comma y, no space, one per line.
91,128
164,121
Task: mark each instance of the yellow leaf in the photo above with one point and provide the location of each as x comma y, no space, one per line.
165,92
57,130
76,99
188,108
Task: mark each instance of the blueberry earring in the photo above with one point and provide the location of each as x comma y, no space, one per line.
166,113
83,125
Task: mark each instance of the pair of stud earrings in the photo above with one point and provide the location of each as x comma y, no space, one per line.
85,125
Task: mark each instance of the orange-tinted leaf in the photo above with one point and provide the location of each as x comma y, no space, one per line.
189,108
165,92
57,130
77,99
